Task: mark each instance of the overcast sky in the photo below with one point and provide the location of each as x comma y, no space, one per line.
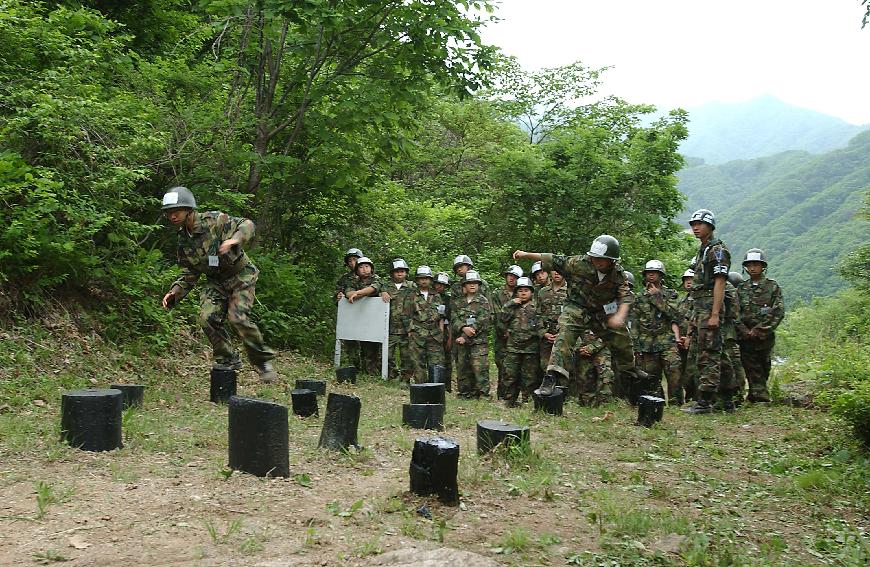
684,53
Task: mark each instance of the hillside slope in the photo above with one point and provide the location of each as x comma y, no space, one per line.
720,132
800,208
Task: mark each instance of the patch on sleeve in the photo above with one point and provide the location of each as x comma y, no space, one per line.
717,270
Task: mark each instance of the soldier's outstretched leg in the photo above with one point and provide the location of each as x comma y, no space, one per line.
212,315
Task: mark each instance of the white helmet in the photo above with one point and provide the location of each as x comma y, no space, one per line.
537,267
462,259
424,272
399,264
442,278
471,277
362,261
655,266
514,270
525,282
690,273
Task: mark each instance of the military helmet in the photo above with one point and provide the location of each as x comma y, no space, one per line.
537,267
462,259
399,264
352,252
735,278
471,277
442,278
514,270
525,282
364,260
655,266
755,255
605,246
629,277
703,215
690,273
178,197
423,272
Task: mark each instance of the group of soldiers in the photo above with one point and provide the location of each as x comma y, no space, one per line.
578,323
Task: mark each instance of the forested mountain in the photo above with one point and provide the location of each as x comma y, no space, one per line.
722,132
800,208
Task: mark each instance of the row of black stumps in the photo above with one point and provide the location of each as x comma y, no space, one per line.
259,435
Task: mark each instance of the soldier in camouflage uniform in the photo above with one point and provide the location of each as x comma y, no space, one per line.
366,283
422,316
398,287
522,360
594,372
212,244
461,265
499,299
598,300
761,311
655,322
540,277
350,349
550,300
442,288
711,266
733,377
688,380
470,319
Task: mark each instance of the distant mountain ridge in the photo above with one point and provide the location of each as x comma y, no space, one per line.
722,132
800,208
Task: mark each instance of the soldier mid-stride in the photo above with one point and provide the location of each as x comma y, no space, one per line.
710,267
212,243
599,300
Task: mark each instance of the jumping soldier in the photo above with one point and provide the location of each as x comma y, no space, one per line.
422,316
598,299
711,266
655,331
212,243
522,360
470,319
761,311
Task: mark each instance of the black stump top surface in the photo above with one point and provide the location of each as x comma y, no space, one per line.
498,425
241,400
439,442
301,392
93,392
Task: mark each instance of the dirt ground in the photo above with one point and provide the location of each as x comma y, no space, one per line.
594,486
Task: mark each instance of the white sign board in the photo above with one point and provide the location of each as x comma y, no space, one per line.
366,319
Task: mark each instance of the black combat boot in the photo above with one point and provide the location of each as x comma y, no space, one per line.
547,385
703,405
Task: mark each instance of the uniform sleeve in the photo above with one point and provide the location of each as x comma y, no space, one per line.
777,309
507,313
484,319
721,261
239,228
378,284
184,283
623,293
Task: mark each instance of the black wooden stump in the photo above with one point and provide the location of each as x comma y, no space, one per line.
434,467
551,404
491,432
649,410
423,416
91,419
437,374
428,393
316,386
133,394
346,374
304,402
340,422
223,385
258,437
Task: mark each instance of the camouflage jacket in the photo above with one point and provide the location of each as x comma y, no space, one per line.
684,306
499,299
198,253
357,283
651,318
422,315
476,313
711,261
343,282
456,293
397,300
761,307
522,325
598,298
590,340
731,313
550,301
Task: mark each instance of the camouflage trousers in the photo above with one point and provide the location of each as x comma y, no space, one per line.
663,364
423,351
689,372
573,323
399,366
732,383
522,374
350,353
499,350
709,348
592,379
545,348
218,306
448,360
472,370
370,357
756,363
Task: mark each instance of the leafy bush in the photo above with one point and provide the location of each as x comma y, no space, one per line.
853,406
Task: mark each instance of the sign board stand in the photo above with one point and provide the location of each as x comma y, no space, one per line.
367,319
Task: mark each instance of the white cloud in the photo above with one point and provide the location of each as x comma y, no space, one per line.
810,53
